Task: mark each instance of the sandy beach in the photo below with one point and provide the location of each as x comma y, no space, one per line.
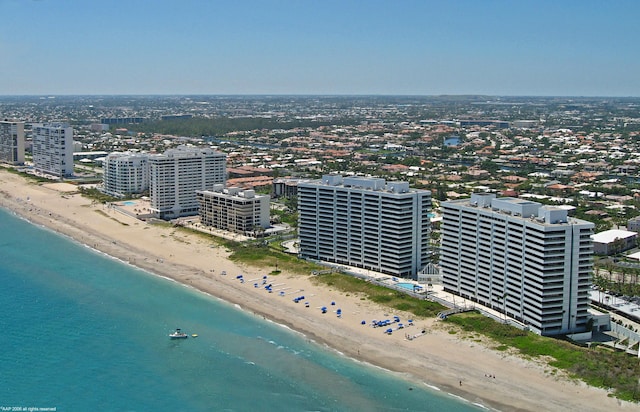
455,363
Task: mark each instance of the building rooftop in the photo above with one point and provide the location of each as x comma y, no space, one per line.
609,236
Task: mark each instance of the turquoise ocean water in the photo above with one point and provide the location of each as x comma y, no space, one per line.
82,331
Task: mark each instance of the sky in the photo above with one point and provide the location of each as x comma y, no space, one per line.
325,47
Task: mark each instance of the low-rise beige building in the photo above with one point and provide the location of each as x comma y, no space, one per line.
234,210
613,241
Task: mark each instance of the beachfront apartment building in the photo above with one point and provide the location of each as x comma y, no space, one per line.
125,174
52,149
366,223
286,186
176,175
11,142
234,210
530,262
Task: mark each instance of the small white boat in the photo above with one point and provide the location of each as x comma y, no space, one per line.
178,334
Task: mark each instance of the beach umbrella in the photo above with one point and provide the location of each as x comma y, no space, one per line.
364,322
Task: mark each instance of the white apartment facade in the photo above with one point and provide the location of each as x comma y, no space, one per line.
176,175
531,262
234,210
366,223
12,142
125,174
53,149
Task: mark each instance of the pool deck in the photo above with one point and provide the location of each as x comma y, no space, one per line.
139,208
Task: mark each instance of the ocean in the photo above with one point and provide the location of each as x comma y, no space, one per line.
84,331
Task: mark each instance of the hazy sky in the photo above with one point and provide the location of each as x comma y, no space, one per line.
422,47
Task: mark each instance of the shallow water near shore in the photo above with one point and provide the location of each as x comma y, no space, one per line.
82,331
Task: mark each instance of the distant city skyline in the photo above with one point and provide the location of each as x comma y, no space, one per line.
500,48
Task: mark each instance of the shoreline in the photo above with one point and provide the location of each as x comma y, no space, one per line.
446,363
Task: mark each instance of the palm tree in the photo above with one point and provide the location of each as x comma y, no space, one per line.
609,268
504,306
622,280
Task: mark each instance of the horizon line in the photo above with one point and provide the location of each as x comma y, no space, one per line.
49,95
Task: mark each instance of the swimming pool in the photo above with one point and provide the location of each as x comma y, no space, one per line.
129,203
408,286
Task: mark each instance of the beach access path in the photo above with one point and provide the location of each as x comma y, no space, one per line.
467,366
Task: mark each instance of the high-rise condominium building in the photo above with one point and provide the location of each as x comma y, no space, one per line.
529,261
11,142
176,176
125,174
53,149
287,186
366,223
234,210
